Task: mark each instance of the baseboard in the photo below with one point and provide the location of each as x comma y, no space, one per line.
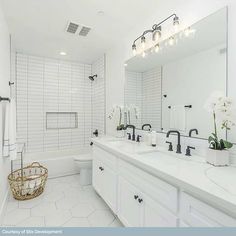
4,206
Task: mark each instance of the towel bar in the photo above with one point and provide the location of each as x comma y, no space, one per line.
4,99
187,106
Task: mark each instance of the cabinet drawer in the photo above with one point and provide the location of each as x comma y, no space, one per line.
106,157
199,214
158,190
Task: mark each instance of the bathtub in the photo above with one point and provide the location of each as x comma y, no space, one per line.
58,163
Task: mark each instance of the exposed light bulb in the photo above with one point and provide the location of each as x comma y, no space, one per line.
187,32
157,48
156,35
143,42
134,49
144,54
171,41
176,23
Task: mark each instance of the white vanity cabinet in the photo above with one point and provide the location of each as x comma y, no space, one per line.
140,199
136,209
199,214
105,177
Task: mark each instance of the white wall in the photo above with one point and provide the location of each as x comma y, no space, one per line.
190,81
4,92
115,81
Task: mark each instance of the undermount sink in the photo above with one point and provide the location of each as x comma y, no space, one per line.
130,146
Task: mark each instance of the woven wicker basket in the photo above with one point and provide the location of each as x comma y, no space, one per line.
28,182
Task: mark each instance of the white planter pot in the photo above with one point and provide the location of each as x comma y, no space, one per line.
217,157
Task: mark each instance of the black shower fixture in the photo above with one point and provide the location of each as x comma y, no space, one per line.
91,77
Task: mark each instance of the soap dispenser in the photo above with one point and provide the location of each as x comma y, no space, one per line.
154,138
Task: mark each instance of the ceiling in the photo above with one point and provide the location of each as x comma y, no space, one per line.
209,33
38,26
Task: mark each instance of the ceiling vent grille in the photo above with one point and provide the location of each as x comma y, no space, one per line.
72,28
84,31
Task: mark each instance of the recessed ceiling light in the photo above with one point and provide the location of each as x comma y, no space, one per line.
101,13
63,53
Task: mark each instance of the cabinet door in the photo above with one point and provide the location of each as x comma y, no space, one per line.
97,176
199,214
156,215
109,182
129,209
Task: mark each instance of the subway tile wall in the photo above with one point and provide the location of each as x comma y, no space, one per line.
144,90
48,85
98,96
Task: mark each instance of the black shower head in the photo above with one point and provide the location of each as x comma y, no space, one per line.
91,77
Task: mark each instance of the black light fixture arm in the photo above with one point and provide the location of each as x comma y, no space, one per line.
154,27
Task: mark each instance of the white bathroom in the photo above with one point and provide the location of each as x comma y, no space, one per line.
117,114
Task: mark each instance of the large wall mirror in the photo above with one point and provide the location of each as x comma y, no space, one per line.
168,88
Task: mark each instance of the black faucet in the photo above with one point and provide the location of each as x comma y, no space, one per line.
178,133
146,125
192,130
133,127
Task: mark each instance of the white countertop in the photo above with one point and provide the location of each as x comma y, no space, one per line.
214,185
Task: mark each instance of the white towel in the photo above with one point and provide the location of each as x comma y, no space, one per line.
9,142
178,118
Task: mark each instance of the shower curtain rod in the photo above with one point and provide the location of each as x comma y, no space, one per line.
4,99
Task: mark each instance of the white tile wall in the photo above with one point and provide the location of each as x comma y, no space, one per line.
144,90
134,93
151,106
48,85
98,96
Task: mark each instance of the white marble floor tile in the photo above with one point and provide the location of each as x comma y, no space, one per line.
43,209
101,218
82,210
77,222
64,203
57,218
14,217
34,221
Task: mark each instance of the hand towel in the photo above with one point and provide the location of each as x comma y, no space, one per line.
10,146
178,118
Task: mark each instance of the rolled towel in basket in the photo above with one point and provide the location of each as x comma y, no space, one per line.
9,144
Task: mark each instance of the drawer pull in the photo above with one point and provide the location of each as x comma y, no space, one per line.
140,200
135,197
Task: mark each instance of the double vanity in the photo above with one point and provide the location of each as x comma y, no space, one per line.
150,187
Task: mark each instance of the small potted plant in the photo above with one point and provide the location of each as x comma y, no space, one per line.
222,109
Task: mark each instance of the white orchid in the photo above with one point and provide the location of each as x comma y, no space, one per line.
223,110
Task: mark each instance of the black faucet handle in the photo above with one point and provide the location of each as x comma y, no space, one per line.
129,136
138,138
188,150
170,146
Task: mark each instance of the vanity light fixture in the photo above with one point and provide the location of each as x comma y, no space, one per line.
143,54
171,41
176,23
157,48
156,32
143,42
134,49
